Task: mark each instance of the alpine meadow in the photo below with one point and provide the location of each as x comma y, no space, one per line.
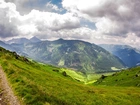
40,84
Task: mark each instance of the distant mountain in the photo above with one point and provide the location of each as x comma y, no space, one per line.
35,39
6,46
23,40
130,56
73,54
18,41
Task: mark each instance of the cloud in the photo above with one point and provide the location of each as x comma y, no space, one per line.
96,21
13,24
8,20
48,20
82,33
132,39
53,7
23,6
111,18
26,6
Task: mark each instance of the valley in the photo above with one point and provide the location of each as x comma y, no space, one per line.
129,55
40,84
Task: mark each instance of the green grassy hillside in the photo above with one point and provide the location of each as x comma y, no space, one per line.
38,84
130,77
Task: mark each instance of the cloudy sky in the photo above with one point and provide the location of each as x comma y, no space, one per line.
95,21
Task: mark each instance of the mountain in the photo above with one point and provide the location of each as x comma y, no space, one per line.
18,41
23,40
75,54
6,46
130,56
35,39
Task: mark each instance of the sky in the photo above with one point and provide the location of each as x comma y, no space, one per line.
95,21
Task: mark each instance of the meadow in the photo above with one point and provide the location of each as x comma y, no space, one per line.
39,84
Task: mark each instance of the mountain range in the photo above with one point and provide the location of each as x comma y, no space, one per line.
23,40
74,54
130,56
7,46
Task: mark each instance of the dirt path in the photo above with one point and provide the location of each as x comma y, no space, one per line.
6,94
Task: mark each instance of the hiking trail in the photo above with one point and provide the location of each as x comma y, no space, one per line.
7,96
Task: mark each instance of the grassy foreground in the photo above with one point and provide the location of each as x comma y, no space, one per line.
37,84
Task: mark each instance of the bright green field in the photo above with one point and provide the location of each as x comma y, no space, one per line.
37,84
85,78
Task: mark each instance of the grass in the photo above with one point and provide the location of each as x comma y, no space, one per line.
38,84
75,75
93,77
84,78
130,77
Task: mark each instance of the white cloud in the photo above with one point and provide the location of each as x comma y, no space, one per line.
28,29
81,33
20,5
1,1
132,39
52,21
13,24
111,17
53,7
26,6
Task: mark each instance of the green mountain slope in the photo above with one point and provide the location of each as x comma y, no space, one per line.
38,84
79,55
130,77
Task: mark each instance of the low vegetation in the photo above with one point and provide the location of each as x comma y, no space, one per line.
130,77
39,84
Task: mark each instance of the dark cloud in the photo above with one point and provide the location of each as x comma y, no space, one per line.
8,26
7,31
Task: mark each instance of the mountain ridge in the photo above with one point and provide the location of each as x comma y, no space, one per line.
130,56
74,54
6,46
23,40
